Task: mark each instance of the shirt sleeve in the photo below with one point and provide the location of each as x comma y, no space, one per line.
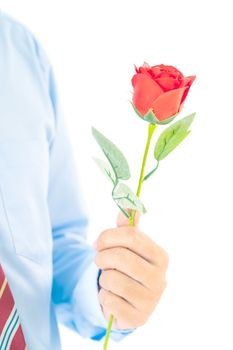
75,274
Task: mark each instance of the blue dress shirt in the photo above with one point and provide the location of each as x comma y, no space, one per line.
43,215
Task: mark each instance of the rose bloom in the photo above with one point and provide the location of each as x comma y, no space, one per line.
161,89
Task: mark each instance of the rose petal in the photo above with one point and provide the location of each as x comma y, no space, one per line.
163,70
189,80
136,69
168,83
168,104
187,83
146,90
142,69
155,71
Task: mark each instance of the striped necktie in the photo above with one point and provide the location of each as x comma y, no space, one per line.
11,334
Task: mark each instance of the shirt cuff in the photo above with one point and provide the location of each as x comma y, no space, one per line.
88,315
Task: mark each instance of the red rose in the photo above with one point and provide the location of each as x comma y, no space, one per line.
161,89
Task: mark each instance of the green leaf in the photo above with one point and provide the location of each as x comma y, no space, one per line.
106,169
125,198
114,155
171,137
151,117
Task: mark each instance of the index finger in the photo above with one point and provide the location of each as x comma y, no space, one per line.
134,239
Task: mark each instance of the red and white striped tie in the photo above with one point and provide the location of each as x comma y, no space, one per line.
11,334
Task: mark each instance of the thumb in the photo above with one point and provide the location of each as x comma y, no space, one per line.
122,220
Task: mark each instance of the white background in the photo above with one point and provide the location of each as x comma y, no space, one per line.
93,46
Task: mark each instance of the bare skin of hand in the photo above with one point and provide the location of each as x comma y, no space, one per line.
133,275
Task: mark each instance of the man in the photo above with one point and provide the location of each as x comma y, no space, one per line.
50,269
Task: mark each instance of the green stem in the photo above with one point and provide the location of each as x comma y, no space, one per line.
151,129
108,332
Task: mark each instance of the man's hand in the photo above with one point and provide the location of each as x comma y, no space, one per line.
133,276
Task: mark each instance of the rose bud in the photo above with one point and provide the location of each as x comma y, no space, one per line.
159,92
